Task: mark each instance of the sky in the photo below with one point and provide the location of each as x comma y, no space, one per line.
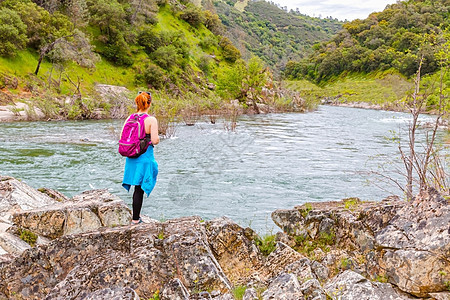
340,9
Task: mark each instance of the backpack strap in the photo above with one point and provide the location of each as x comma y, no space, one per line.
142,121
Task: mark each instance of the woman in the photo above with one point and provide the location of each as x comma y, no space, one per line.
143,170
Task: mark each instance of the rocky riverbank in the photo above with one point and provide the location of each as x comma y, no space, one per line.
53,247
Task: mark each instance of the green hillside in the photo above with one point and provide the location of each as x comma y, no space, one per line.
394,38
273,34
53,53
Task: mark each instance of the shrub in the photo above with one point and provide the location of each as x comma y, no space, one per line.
118,52
229,51
208,42
12,31
149,39
167,56
28,237
193,15
205,64
266,245
151,75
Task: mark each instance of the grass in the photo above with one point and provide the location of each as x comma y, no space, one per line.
306,245
381,278
29,237
266,244
239,291
305,211
345,263
241,5
155,296
351,203
377,88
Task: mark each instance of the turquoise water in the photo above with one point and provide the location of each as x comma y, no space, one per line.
271,161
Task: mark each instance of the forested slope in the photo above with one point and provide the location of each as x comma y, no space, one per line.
263,29
397,38
54,49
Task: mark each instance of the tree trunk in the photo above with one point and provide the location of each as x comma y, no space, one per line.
41,57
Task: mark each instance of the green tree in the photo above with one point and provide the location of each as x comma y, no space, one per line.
167,56
150,39
229,81
108,15
193,15
118,51
229,51
212,22
12,31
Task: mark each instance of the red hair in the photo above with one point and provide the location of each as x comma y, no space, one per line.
143,101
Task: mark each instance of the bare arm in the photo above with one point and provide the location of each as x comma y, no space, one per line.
151,126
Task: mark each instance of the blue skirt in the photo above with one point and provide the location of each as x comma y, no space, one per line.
141,171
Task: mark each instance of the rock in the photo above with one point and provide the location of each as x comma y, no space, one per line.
283,287
117,293
284,238
415,243
250,294
290,221
77,220
143,258
440,296
405,242
312,290
86,212
174,290
305,269
16,196
320,271
352,286
234,248
118,97
282,256
55,195
12,243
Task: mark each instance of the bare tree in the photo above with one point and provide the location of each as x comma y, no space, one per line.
417,163
75,47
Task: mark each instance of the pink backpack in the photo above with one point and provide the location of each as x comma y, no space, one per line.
133,142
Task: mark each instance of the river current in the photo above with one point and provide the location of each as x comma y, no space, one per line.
271,161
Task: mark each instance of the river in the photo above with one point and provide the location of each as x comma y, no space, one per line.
271,161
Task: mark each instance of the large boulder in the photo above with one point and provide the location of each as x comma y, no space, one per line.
414,248
352,286
276,262
283,287
407,243
117,97
86,212
15,197
143,258
234,248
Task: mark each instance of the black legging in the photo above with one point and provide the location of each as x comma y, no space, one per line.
138,197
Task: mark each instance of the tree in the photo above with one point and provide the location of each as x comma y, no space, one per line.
417,162
193,15
254,80
78,12
167,56
230,52
12,31
109,16
75,47
212,22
